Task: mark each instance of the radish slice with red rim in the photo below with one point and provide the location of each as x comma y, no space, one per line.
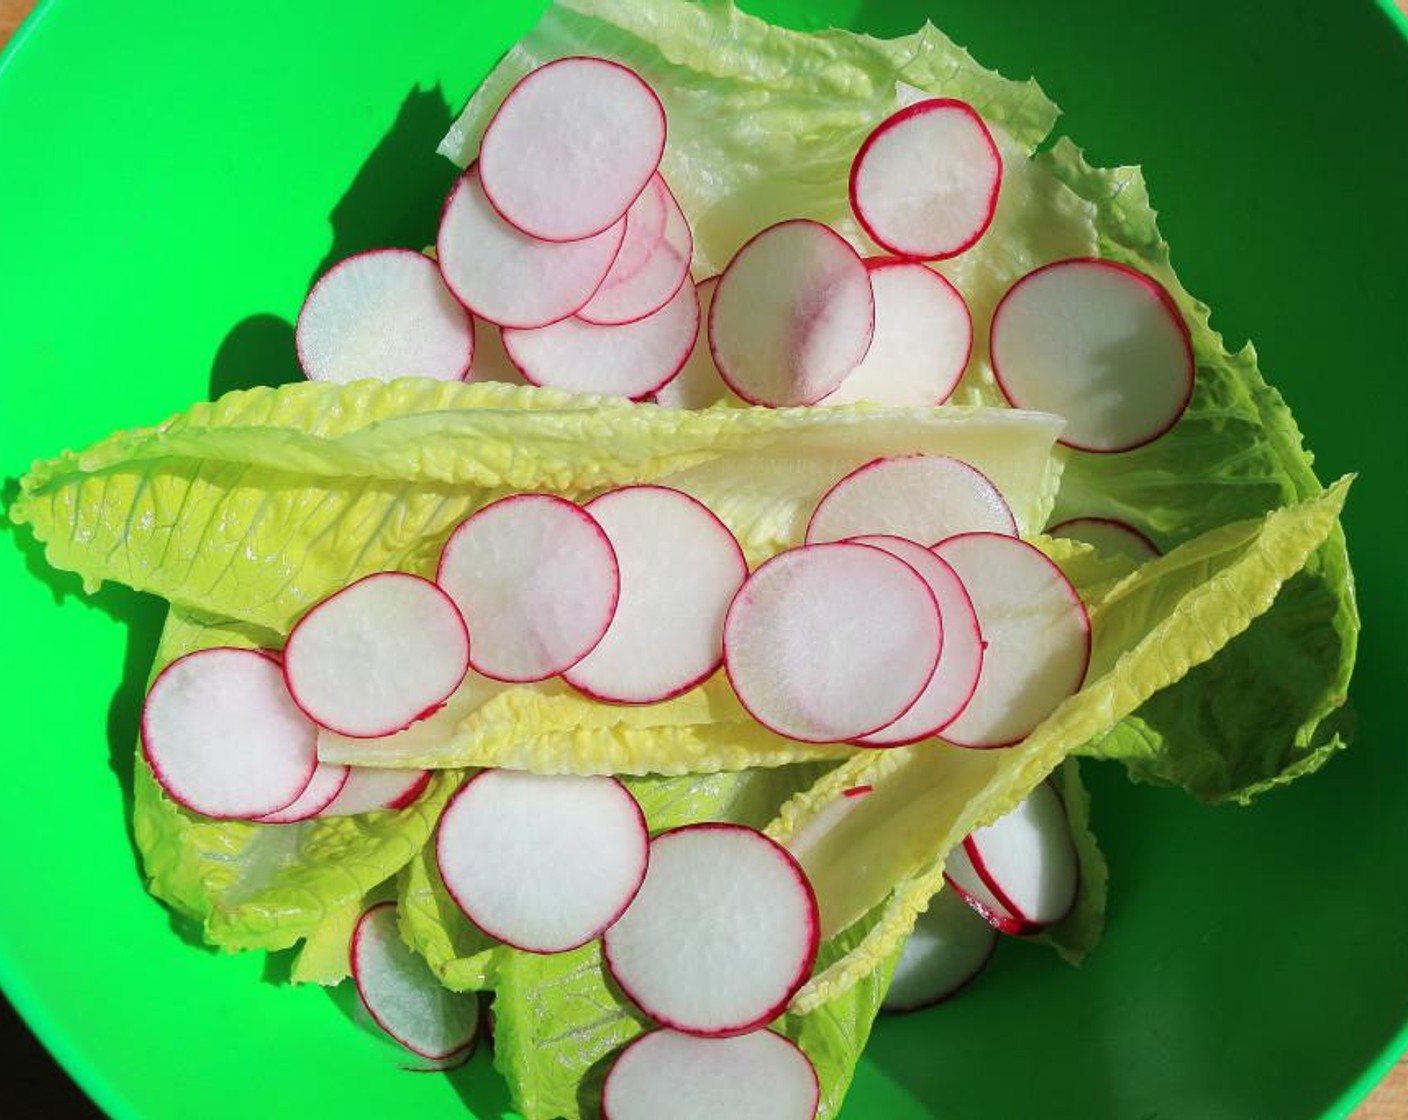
968,885
571,147
1037,633
925,182
224,738
1109,536
536,579
922,498
1027,860
831,642
371,789
635,287
543,863
949,947
792,316
383,314
328,780
698,384
1098,343
376,656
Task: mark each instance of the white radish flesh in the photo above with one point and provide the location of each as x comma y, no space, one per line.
535,578
949,947
224,738
756,1076
636,286
1037,633
925,182
1027,860
831,642
542,862
1098,343
383,314
571,147
968,885
1109,537
722,934
370,789
376,656
328,781
922,498
698,384
792,316
680,568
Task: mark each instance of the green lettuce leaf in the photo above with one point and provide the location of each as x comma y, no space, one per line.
1080,931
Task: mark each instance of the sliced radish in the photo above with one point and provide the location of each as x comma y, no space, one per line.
571,147
922,498
722,934
923,337
636,287
831,642
680,569
542,862
630,360
925,182
949,947
698,384
536,579
757,1076
224,738
455,1061
1027,860
960,660
968,885
509,278
1108,536
792,316
328,781
376,656
383,314
402,995
1098,343
370,789
1037,634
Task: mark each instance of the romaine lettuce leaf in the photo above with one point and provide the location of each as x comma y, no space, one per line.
1080,931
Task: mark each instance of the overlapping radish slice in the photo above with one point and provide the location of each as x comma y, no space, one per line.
542,862
383,314
721,935
968,885
402,995
831,642
949,947
370,789
509,278
1098,343
923,337
637,284
571,147
224,738
698,384
960,658
630,360
680,568
925,182
922,498
1027,860
376,656
755,1076
792,316
327,782
1037,634
536,579
1109,536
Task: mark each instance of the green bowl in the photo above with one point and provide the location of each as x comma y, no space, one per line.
172,176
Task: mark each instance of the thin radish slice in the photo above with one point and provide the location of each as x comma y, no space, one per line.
922,498
328,780
1027,860
832,642
757,1076
536,579
631,360
1037,633
722,934
680,569
792,316
1108,536
544,863
509,278
455,1061
402,995
635,288
224,738
383,314
376,656
370,789
698,384
949,947
923,337
571,147
960,660
925,182
1098,343
968,885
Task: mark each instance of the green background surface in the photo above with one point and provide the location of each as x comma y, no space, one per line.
171,179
